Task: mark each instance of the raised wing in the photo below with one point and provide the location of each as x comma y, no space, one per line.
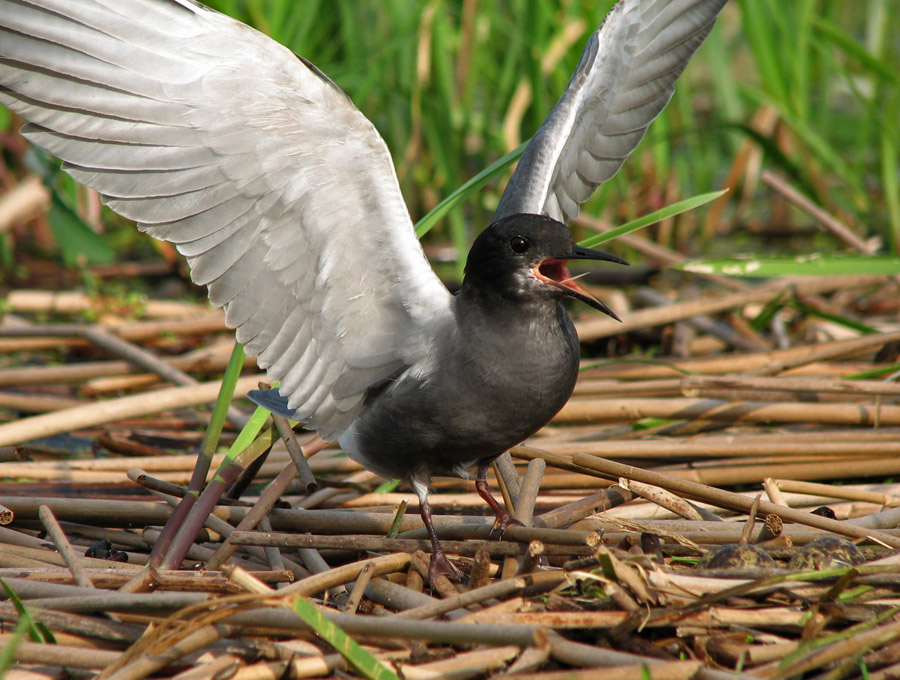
625,78
280,193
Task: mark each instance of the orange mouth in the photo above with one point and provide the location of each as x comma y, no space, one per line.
553,272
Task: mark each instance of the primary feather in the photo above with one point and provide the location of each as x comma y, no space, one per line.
279,192
623,81
261,171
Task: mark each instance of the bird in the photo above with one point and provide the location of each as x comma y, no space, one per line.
285,202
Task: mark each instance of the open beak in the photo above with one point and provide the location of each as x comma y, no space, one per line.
553,272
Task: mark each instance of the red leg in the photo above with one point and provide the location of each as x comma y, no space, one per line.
504,519
440,564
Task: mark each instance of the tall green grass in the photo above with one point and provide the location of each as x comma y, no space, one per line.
438,79
829,70
444,81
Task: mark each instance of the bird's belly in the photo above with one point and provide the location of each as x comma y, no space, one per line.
415,434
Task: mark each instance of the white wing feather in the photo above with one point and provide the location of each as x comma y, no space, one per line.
280,193
625,78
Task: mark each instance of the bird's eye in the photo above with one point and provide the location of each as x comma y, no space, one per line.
519,244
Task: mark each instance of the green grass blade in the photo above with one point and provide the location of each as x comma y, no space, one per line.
875,373
771,308
800,58
818,144
425,225
808,311
387,486
641,361
223,400
653,218
37,631
360,659
806,265
890,171
78,243
398,521
851,48
730,103
247,435
759,30
8,652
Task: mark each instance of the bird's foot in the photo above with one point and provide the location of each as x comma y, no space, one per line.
504,519
503,522
442,566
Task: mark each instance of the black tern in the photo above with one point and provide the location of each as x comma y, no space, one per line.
284,200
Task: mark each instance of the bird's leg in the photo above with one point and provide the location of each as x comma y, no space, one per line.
504,519
440,564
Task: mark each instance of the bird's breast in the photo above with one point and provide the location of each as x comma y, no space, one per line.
487,391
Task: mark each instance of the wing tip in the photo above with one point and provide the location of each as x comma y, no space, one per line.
272,401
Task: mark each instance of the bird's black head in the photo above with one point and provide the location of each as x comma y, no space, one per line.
524,257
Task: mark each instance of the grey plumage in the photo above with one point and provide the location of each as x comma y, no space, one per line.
623,81
284,199
214,137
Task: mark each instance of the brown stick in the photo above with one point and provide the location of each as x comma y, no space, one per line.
828,221
71,302
174,649
837,443
604,410
63,655
24,201
37,403
576,510
694,383
656,252
741,363
272,493
595,327
469,597
134,331
204,360
109,411
65,548
362,543
339,576
728,499
829,490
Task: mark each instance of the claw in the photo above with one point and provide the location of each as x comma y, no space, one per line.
503,522
504,519
442,566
